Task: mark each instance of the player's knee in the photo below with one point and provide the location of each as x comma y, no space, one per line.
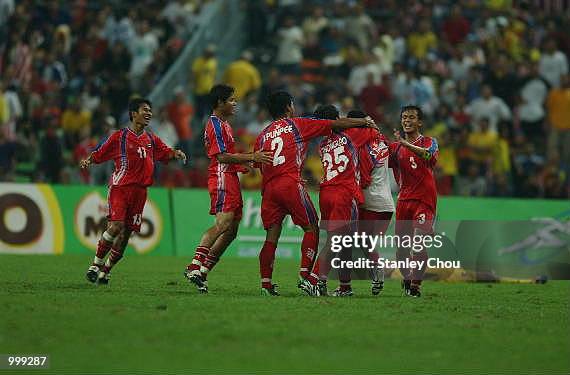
115,228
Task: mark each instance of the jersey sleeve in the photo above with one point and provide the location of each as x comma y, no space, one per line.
162,152
216,136
312,127
107,149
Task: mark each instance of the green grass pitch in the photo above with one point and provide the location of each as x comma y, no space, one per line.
149,320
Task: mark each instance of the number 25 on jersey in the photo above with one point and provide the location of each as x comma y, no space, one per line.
340,162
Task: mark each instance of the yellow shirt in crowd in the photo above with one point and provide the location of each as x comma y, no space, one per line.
483,144
420,44
204,74
558,104
243,76
73,122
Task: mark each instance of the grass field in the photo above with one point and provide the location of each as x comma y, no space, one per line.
150,320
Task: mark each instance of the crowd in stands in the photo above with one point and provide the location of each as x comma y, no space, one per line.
491,77
67,71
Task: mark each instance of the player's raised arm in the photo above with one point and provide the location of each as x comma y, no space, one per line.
106,150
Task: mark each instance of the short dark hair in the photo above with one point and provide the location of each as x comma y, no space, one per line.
135,104
418,110
356,113
327,112
220,93
278,102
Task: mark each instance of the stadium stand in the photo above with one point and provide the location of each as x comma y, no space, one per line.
492,76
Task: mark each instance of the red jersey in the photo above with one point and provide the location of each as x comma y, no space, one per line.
288,139
134,156
414,174
340,157
373,154
218,139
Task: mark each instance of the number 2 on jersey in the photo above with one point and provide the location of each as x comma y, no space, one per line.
277,143
340,162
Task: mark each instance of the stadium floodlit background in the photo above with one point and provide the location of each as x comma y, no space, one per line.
491,76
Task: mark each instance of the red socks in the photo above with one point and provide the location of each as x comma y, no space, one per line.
208,265
114,258
266,260
199,258
103,248
308,253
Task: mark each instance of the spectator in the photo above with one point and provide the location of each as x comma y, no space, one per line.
422,41
558,108
289,53
315,23
483,143
243,76
531,111
373,97
164,128
7,157
143,45
180,114
360,27
553,63
203,77
456,27
473,184
73,120
51,156
489,106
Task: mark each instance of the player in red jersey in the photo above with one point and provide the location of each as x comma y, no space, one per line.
223,185
413,159
340,193
134,150
375,213
283,191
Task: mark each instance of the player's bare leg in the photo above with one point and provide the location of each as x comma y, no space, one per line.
108,238
116,255
267,259
193,272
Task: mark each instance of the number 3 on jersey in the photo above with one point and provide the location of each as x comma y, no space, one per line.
340,162
277,143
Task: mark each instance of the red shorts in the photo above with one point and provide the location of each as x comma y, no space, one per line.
337,209
225,194
287,197
372,222
126,204
413,214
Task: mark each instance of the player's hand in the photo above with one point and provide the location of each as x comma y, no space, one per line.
248,169
180,155
263,157
85,163
397,136
370,123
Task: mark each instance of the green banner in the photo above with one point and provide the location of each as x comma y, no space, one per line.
191,219
39,218
70,219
